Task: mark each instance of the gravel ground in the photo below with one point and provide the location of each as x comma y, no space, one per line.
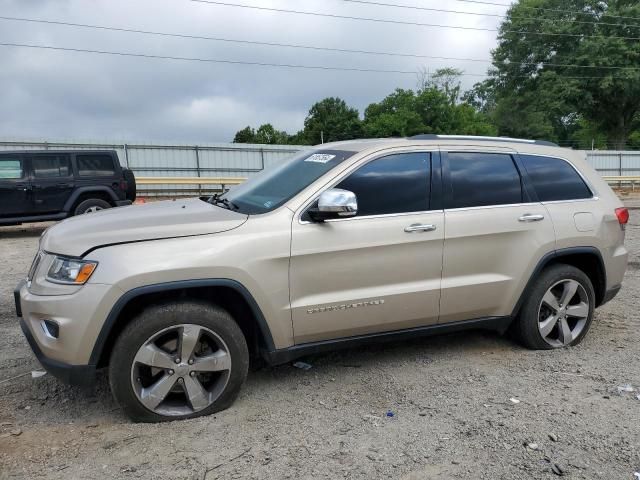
473,405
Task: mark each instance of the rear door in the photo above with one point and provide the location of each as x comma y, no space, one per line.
495,234
380,270
52,180
15,194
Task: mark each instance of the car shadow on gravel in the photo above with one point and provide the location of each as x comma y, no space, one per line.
17,232
56,402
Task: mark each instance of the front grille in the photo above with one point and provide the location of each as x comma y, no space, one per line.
34,266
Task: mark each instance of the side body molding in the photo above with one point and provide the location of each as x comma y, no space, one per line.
178,285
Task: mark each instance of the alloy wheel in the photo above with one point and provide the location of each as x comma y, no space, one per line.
563,312
180,370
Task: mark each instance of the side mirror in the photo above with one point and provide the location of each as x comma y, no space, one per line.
334,203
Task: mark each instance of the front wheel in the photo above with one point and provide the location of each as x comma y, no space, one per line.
558,311
178,360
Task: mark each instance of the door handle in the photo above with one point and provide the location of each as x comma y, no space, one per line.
419,227
530,217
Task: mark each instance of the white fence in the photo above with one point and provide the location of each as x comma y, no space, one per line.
241,160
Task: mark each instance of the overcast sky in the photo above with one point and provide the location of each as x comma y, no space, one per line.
66,95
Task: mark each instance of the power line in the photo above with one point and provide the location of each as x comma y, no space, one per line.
217,60
242,62
557,10
299,46
396,22
478,14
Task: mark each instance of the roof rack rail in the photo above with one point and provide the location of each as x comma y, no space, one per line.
433,136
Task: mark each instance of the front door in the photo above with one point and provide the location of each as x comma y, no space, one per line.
15,195
52,180
495,235
380,270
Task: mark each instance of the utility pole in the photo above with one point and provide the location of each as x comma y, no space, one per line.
321,136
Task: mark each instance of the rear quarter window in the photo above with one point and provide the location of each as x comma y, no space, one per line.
10,168
95,165
554,179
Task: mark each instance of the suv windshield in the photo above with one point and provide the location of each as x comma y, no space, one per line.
274,186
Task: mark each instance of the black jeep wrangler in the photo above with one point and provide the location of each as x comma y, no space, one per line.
51,185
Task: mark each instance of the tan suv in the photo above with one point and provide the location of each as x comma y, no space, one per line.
347,243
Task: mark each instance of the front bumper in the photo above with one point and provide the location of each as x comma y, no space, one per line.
79,317
79,375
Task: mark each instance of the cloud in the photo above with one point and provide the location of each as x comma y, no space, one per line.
78,95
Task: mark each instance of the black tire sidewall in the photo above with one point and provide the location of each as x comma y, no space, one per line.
527,324
91,202
159,317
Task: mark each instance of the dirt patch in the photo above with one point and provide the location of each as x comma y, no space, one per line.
450,399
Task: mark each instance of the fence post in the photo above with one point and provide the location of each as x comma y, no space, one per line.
620,167
198,168
126,155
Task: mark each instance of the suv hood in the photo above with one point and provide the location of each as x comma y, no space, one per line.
168,219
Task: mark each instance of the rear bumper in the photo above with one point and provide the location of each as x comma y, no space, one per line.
79,375
122,203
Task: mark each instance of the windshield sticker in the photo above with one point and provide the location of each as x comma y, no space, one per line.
320,158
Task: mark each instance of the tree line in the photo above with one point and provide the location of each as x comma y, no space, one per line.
564,70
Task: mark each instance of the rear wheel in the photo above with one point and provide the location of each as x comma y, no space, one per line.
178,360
558,311
91,205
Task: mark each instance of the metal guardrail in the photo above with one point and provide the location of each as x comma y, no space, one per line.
190,180
195,185
620,179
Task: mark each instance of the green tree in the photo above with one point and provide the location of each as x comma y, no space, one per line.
394,116
267,134
246,135
538,92
332,120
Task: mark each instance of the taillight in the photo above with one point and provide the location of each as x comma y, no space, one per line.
124,185
623,215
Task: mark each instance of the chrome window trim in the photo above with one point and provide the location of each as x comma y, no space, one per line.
592,189
366,217
358,164
485,207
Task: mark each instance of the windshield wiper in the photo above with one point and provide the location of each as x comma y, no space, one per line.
223,202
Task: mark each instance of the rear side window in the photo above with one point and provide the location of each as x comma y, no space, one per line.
479,179
95,165
554,179
398,183
50,166
10,167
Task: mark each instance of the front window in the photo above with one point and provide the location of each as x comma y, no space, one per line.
273,187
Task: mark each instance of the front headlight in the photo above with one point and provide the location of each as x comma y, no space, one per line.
70,271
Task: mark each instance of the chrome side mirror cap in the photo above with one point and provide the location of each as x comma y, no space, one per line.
335,203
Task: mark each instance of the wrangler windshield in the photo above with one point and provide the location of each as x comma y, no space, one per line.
276,185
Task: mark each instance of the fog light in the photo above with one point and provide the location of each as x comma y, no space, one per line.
51,329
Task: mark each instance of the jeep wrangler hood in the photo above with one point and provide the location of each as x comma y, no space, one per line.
168,219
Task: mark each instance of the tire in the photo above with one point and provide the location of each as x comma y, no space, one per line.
91,205
543,325
132,380
130,178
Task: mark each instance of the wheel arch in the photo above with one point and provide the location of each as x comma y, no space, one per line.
85,193
229,294
587,259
